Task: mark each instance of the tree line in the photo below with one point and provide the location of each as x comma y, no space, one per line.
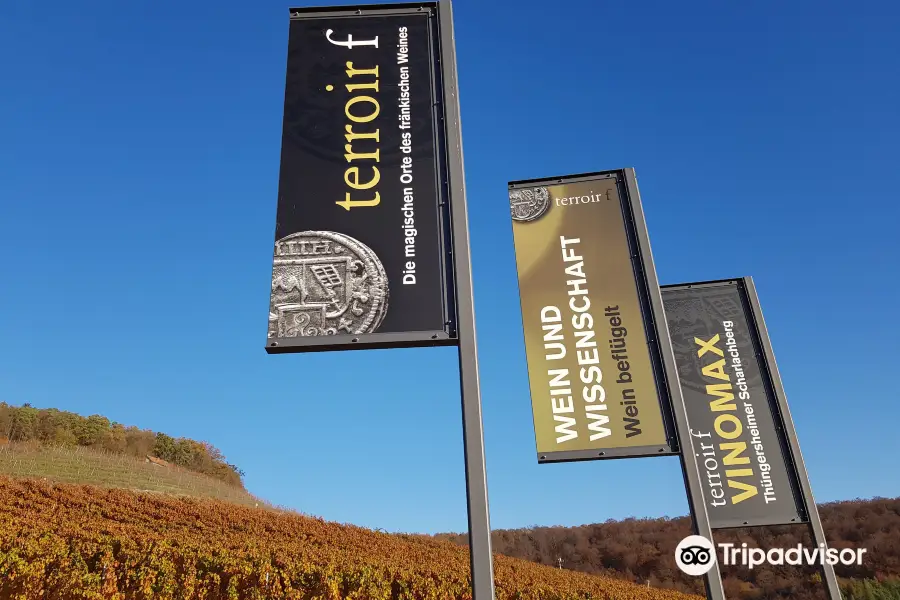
50,426
642,550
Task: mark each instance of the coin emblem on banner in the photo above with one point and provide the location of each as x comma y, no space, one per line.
529,204
326,283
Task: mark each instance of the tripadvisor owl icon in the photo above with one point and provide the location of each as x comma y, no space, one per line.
695,555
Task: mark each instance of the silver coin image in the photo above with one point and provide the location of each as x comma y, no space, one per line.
325,283
529,204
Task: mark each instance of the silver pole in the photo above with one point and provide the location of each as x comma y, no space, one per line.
815,523
482,564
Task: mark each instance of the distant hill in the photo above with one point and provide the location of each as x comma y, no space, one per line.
66,541
85,465
52,428
642,550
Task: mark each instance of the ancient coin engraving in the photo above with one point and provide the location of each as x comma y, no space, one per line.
529,204
325,283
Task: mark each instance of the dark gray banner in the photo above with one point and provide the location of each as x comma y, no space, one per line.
730,405
359,255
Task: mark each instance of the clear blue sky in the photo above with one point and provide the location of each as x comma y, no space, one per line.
139,148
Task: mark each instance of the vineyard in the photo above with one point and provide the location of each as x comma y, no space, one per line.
111,469
60,541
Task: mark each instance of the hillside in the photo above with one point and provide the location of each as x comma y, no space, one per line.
61,429
61,541
200,528
80,465
641,549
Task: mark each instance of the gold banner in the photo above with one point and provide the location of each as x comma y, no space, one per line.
589,364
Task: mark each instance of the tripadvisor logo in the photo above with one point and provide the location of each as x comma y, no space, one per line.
695,555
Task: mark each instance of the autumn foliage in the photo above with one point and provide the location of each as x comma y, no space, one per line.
65,542
641,550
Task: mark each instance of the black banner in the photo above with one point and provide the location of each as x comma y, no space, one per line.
732,412
359,253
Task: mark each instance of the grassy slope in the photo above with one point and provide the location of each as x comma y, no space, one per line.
66,541
85,466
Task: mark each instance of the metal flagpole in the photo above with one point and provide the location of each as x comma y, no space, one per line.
812,512
473,438
689,466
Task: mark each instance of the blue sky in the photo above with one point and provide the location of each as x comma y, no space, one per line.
139,148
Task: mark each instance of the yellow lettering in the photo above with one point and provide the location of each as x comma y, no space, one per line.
734,457
352,87
351,70
728,435
709,346
356,111
351,155
353,173
716,370
723,391
365,118
347,204
738,472
352,135
749,491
